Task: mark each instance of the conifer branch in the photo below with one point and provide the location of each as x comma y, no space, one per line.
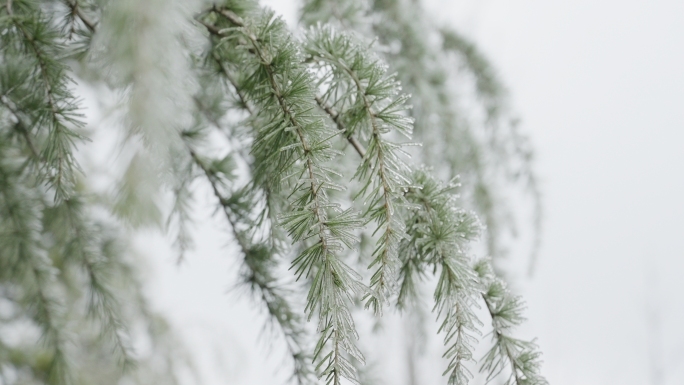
381,161
21,128
258,277
521,356
30,264
37,36
335,116
480,147
75,7
277,92
257,258
295,97
439,235
212,29
328,109
41,59
334,282
58,371
233,82
102,300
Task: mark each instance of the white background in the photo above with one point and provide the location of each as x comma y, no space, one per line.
600,88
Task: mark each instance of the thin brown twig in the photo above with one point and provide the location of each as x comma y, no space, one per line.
76,9
21,127
233,82
335,116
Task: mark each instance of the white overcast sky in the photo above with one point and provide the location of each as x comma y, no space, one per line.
599,85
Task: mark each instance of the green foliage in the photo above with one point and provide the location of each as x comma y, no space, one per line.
313,155
481,143
35,90
522,357
368,108
440,232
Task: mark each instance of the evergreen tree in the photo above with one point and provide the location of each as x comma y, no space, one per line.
305,139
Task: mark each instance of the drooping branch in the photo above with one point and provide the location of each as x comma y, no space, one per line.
335,116
257,275
285,99
27,262
438,238
522,357
39,40
382,170
21,128
76,10
77,239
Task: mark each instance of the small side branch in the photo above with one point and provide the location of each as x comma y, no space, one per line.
21,127
521,356
269,293
335,116
76,10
